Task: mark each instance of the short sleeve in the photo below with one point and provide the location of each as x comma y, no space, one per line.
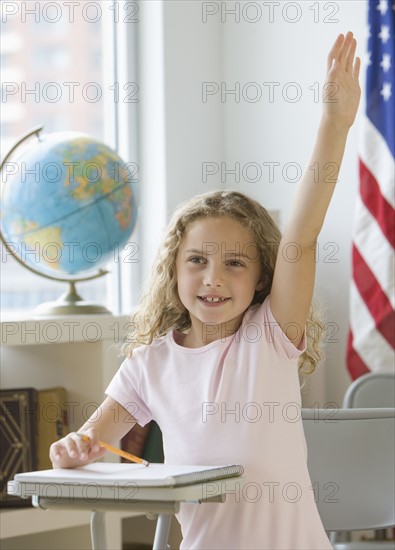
278,337
125,389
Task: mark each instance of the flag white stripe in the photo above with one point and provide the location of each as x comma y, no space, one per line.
375,249
371,346
377,157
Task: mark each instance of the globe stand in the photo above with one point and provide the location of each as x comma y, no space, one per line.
69,303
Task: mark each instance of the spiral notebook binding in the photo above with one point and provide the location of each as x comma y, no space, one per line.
206,475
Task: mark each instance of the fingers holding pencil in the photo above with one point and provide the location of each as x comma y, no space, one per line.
72,451
116,451
81,448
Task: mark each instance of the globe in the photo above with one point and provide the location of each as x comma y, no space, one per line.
68,205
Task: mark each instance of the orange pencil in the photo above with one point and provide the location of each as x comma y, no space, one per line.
116,451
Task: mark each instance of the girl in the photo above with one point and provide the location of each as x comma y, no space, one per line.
220,334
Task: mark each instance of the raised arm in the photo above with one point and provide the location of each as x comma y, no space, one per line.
293,279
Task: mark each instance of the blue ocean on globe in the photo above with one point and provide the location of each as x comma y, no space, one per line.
69,204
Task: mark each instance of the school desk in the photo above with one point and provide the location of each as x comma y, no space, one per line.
151,501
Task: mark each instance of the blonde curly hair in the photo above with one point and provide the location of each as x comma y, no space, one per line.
161,310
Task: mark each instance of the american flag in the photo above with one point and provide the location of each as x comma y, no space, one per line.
371,339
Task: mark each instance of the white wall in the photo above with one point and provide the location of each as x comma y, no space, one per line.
194,130
201,48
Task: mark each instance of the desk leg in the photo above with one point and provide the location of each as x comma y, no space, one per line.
162,532
98,530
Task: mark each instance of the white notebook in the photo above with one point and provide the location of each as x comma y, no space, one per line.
155,475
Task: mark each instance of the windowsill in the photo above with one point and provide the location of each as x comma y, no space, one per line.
66,329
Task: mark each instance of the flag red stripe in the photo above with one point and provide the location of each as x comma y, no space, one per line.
372,294
355,365
376,203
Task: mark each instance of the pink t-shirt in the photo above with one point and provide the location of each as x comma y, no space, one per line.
233,401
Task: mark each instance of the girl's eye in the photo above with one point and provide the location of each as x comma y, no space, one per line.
196,260
235,263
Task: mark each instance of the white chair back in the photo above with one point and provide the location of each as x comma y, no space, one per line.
351,464
375,389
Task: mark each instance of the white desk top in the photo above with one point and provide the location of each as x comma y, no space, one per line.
123,492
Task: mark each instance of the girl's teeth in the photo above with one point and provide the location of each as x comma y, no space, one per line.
214,299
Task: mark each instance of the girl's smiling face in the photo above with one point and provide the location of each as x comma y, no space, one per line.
218,271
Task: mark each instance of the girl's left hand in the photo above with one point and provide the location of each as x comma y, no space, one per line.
342,91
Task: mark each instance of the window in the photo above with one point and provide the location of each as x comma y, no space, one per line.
45,47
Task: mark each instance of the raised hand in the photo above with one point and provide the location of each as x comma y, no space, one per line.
342,91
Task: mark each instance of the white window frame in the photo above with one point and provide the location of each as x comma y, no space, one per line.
121,133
